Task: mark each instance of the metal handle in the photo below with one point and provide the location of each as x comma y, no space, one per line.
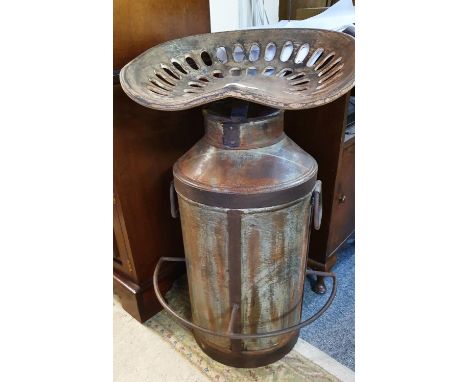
239,336
317,200
173,200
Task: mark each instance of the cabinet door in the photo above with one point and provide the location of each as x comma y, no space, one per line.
342,220
122,253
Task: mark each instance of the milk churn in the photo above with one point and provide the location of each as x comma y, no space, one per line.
247,196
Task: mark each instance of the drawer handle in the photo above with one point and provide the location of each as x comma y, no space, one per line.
342,198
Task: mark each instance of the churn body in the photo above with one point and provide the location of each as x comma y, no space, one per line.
244,194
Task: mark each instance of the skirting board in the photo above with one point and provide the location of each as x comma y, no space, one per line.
324,360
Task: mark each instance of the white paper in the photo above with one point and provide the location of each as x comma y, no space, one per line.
337,17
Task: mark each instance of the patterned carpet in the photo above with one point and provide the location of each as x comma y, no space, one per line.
292,368
333,333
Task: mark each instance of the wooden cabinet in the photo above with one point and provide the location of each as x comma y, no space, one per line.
141,24
342,216
321,132
122,251
302,9
146,145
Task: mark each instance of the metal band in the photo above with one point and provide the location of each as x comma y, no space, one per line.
242,201
234,261
247,358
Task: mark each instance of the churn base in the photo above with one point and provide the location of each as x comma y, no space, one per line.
247,359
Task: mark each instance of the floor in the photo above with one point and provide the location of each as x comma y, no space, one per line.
161,350
143,354
333,333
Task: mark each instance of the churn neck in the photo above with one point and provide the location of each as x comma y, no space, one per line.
242,125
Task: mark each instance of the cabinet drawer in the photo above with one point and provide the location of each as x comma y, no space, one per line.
342,220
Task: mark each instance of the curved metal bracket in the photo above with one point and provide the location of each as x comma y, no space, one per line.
229,333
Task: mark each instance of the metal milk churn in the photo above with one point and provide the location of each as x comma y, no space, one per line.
247,196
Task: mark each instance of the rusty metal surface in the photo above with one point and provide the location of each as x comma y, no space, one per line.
274,166
223,119
235,356
248,358
245,207
284,68
234,229
235,308
274,256
255,258
206,244
226,200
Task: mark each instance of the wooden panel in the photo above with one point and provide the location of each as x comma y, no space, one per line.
146,145
139,301
141,24
305,13
298,4
122,251
117,257
342,223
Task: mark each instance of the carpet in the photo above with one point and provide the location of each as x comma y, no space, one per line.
333,333
293,367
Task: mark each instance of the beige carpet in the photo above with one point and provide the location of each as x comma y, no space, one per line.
161,350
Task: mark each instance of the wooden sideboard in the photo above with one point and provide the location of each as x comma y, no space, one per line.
146,145
321,132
